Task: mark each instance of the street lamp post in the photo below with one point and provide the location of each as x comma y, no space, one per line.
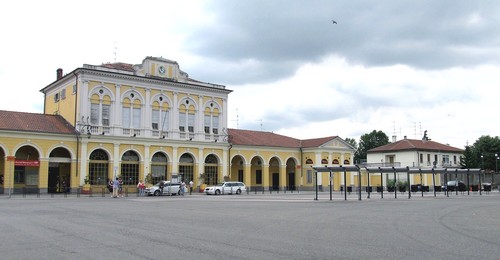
496,168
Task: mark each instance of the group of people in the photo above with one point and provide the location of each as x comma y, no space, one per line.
115,187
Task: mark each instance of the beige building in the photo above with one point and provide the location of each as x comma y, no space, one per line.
415,153
148,121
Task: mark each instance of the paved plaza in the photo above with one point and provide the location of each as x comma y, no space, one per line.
251,226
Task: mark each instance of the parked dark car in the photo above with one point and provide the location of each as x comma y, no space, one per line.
453,185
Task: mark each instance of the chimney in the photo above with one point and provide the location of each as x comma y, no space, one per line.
405,137
59,73
394,138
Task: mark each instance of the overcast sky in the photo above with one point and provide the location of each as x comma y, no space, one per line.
401,67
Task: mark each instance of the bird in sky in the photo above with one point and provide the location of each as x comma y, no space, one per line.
334,22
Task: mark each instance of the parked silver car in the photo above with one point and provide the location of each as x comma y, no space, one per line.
229,187
168,189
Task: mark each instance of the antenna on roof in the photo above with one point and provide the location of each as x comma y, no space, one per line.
114,52
237,120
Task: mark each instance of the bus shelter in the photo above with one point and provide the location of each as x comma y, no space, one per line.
394,170
333,169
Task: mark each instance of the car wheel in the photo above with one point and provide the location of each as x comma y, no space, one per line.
157,193
238,192
217,192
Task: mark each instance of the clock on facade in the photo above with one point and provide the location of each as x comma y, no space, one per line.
161,70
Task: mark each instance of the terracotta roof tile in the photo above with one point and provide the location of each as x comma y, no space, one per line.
413,144
260,138
317,141
33,122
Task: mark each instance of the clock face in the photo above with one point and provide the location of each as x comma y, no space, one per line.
161,70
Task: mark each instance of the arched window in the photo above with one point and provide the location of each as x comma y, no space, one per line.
346,161
160,116
100,107
98,167
130,168
335,161
309,161
324,161
187,118
186,167
159,167
211,170
131,111
211,118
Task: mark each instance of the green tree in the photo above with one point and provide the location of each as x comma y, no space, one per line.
467,161
370,141
483,153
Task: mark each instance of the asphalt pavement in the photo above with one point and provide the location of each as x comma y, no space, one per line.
251,226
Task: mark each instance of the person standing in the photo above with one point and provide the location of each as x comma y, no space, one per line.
116,185
141,186
110,187
183,187
120,187
191,183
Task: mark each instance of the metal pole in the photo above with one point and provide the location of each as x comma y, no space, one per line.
434,182
368,184
331,188
409,183
395,186
316,185
381,184
359,184
345,185
421,184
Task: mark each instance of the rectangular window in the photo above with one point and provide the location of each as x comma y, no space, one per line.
164,121
309,176
74,89
56,97
155,119
105,114
258,177
126,117
94,114
191,123
137,118
454,159
207,124
421,158
446,159
215,125
182,122
63,94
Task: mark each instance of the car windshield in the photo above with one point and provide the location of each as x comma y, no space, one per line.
220,184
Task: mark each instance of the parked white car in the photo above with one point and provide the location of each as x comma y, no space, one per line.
168,189
229,187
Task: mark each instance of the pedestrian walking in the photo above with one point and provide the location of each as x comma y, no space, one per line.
191,183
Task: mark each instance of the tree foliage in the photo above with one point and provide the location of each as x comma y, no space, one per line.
482,153
370,141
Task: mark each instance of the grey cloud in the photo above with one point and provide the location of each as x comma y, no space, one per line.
282,35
